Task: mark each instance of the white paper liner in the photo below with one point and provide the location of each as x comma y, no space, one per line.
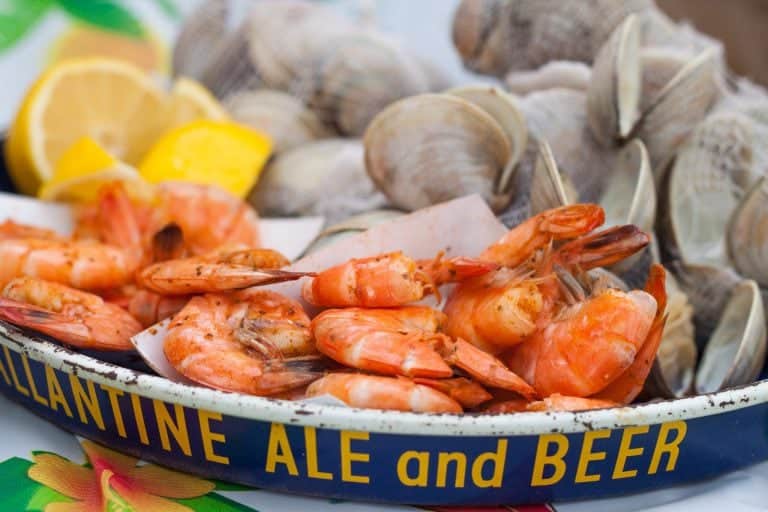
462,227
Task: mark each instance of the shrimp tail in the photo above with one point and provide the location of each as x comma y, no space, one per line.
625,388
451,270
603,248
486,368
467,392
195,277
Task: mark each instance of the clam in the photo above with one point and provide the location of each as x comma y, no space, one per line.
678,108
705,187
558,116
350,227
552,75
432,148
200,37
736,350
629,196
659,65
285,118
228,71
613,95
549,188
748,234
325,177
673,370
496,36
355,78
502,108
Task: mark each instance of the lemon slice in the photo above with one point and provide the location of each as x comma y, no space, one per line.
190,101
113,102
84,168
219,153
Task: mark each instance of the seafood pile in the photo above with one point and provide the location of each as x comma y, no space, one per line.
527,324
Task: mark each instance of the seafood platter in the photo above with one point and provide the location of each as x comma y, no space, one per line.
403,289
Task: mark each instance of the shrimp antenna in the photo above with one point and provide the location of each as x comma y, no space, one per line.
573,290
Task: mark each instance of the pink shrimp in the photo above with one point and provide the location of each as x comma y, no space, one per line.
591,344
405,341
502,308
387,280
74,317
375,392
232,342
555,402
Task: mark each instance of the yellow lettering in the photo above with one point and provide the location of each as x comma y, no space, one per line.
348,456
442,468
28,372
671,448
5,373
15,378
85,401
310,443
279,450
496,458
422,471
209,437
139,415
543,459
113,394
626,451
177,428
587,456
55,393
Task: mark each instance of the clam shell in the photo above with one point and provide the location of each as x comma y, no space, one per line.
748,234
503,109
629,196
350,227
704,189
325,177
707,288
659,65
673,370
356,79
736,350
558,116
497,36
200,36
229,72
552,75
548,188
677,109
285,118
432,148
613,95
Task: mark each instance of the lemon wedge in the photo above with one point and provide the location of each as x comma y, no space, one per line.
211,152
84,168
190,101
111,101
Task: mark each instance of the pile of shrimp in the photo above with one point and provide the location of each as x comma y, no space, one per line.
524,327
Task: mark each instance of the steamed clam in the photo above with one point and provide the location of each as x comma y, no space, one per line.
748,234
434,147
325,177
564,74
285,118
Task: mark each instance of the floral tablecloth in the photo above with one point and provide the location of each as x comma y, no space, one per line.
45,469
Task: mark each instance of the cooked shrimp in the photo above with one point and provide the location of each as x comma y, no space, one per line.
502,308
374,392
537,232
10,230
555,402
208,216
216,273
226,342
387,280
588,345
72,316
406,341
467,392
84,265
149,308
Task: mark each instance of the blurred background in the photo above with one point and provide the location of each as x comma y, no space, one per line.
36,33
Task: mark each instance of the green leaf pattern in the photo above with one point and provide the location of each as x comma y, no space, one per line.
105,14
17,17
